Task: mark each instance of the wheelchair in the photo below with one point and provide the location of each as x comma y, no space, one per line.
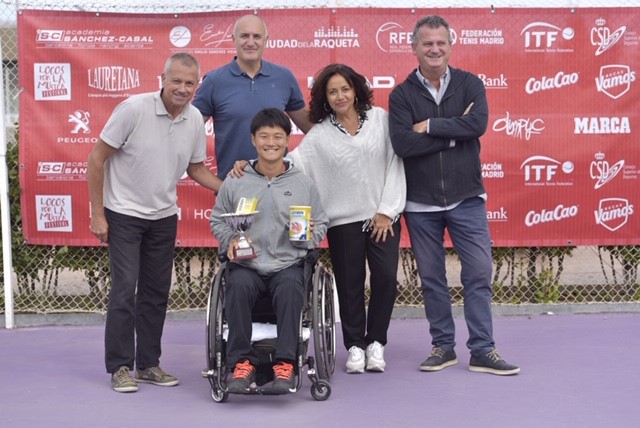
317,321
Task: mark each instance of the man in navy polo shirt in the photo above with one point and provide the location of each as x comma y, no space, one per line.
234,93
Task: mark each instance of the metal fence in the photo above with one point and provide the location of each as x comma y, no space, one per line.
53,279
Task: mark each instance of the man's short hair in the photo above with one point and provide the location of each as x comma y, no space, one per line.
271,118
432,21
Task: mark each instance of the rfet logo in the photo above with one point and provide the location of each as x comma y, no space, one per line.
391,38
613,213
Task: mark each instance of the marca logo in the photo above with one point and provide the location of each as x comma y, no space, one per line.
543,170
542,36
613,213
603,38
80,121
602,172
522,128
615,80
49,35
390,38
601,125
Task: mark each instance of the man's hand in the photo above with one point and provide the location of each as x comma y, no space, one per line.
100,228
238,169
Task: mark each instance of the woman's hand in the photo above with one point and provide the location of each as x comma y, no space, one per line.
382,225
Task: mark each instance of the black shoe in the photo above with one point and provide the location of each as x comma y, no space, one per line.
284,378
492,363
244,377
438,360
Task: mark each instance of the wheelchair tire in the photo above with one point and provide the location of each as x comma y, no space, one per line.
218,395
215,319
324,338
321,390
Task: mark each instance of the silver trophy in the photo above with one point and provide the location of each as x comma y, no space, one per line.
240,223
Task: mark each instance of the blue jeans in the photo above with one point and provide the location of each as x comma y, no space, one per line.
469,231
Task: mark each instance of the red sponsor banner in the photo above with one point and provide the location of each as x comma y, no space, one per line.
560,156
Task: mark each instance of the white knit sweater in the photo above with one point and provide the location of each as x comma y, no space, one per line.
357,176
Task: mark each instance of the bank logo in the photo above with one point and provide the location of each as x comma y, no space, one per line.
602,172
544,37
601,125
80,121
615,80
52,81
391,38
494,82
603,38
613,213
500,215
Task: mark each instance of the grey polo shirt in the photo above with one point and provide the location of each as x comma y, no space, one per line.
154,151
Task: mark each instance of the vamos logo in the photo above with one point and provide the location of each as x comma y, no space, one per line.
544,171
544,37
603,38
615,80
602,172
391,38
559,213
613,213
522,128
601,125
560,80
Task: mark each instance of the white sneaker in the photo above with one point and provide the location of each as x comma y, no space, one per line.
375,357
355,362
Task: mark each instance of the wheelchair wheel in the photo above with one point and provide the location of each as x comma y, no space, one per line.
215,324
218,395
324,338
320,390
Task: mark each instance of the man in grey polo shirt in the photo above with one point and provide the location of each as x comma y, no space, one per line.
234,93
148,143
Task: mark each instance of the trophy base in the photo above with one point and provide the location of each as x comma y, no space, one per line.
244,253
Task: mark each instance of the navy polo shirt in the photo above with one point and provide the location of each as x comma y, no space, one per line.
232,98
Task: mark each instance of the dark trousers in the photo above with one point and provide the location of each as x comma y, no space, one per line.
351,249
141,255
286,288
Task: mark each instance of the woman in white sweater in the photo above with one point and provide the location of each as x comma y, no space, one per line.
362,187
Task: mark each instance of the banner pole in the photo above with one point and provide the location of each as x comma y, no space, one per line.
4,210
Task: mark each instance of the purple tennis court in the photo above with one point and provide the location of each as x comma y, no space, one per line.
577,371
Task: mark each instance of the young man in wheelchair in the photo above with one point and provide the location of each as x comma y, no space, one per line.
277,267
